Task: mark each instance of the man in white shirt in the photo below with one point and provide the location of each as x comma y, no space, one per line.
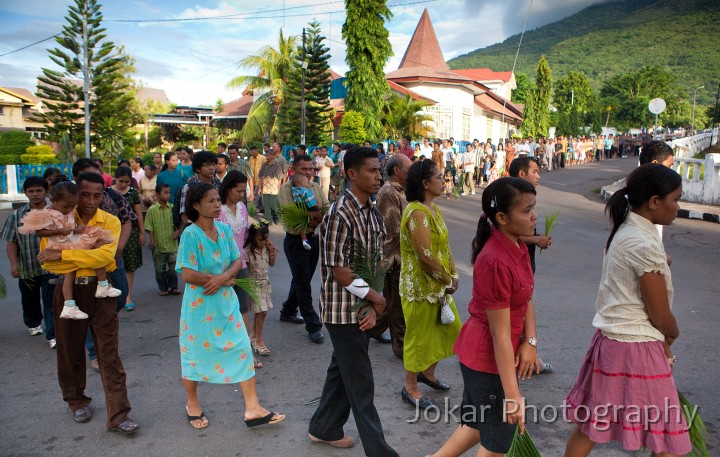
523,149
468,162
323,165
426,150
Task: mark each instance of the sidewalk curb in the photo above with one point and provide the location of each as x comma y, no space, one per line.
605,193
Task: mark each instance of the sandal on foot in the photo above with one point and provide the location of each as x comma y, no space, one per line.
164,293
175,292
270,419
546,368
195,418
257,363
262,350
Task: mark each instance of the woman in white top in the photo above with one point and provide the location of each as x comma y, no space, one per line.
625,391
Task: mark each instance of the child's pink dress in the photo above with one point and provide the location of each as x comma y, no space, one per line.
41,219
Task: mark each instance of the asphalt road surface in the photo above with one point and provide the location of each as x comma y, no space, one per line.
35,421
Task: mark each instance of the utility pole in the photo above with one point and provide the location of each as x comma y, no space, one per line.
86,79
693,110
302,92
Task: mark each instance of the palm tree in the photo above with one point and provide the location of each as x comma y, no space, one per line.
404,116
268,86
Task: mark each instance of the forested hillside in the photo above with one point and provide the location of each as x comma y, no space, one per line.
682,36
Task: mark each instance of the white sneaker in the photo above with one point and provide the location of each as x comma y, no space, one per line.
72,313
52,343
472,193
307,246
107,292
36,330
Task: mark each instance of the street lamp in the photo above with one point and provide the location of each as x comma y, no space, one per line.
693,111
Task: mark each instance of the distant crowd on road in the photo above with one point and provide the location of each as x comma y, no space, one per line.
369,214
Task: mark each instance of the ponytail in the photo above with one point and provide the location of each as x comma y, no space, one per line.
646,181
617,208
499,197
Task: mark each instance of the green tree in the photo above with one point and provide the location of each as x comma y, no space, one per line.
13,144
536,118
318,113
352,128
268,85
573,89
523,89
110,138
109,82
368,50
404,116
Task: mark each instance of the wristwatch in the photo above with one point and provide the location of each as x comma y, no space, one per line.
532,341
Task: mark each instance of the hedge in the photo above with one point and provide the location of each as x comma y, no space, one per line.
12,145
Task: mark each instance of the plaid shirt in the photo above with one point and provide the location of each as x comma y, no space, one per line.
242,166
28,245
115,204
215,183
346,220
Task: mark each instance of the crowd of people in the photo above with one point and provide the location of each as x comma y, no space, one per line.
205,216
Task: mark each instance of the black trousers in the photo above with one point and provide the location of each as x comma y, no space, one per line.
349,386
36,295
302,267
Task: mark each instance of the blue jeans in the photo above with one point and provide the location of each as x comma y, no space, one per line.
119,281
33,291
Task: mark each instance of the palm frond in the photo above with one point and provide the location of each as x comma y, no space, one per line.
551,222
696,428
295,216
522,445
250,286
3,287
367,264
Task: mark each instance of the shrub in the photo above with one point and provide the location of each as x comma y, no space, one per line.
12,145
352,128
38,155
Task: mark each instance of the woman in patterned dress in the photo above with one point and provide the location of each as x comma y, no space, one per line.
427,279
132,253
214,344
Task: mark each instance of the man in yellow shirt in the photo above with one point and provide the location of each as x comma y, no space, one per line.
70,333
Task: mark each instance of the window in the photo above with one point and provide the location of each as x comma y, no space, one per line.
489,128
1,110
443,117
466,120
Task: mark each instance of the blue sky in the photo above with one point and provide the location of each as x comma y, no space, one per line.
193,60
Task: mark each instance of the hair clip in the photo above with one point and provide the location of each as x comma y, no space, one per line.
493,201
483,216
627,198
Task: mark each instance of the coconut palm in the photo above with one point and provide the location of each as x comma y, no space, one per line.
405,116
268,86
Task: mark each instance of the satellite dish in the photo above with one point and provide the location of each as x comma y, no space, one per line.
657,105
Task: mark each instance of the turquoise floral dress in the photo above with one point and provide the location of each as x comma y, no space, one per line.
214,344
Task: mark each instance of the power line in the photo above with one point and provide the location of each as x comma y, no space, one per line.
30,45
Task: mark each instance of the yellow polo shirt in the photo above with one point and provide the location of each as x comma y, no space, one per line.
85,262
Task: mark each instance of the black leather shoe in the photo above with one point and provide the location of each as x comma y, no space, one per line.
83,414
439,385
383,338
292,319
316,337
126,427
422,404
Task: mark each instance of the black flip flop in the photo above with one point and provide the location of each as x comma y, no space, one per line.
267,420
195,418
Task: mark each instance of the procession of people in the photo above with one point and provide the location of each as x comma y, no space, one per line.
207,219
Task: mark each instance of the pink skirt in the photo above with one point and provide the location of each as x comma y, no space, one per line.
625,392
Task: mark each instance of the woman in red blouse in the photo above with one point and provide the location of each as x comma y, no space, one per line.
498,342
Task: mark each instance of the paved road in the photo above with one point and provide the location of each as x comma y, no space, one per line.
34,420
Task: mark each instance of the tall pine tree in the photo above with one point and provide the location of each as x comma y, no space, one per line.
318,114
536,118
63,93
368,49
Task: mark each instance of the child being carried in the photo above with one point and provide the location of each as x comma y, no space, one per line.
303,195
57,223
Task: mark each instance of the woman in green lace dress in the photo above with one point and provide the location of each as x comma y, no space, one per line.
132,253
427,278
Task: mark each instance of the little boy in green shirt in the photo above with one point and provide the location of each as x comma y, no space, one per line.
163,241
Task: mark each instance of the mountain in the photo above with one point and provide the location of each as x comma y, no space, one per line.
607,39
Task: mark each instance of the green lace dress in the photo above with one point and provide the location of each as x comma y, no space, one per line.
427,269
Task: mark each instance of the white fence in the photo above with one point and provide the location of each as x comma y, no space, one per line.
701,178
687,147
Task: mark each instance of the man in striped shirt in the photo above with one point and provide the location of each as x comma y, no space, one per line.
349,381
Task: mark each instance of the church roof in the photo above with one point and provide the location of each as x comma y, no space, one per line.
424,49
485,74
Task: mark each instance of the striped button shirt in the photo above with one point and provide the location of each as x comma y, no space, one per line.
28,245
346,220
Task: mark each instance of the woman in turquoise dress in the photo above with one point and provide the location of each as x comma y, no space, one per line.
428,279
214,344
